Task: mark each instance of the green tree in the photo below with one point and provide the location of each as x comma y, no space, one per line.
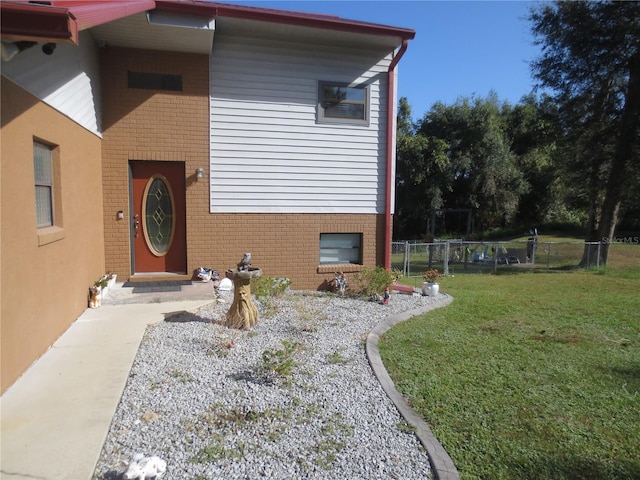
483,172
421,163
591,62
532,128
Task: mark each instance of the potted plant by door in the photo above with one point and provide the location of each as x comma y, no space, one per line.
111,279
431,285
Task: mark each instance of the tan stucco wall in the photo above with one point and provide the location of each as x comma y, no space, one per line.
174,126
43,288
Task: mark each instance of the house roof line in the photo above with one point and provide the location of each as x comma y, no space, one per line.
61,20
288,17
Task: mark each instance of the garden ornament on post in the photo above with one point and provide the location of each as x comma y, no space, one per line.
242,314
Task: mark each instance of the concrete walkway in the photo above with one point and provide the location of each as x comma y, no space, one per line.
56,417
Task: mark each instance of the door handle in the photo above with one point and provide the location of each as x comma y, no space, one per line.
136,225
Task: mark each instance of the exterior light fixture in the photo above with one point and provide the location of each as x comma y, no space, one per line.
48,48
199,172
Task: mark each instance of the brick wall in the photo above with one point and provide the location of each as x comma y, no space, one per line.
151,125
174,126
282,245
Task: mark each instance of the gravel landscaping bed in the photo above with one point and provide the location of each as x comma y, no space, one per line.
292,398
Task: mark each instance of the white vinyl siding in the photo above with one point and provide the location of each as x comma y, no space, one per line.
269,154
67,80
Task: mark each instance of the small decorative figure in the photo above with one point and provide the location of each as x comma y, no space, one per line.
215,276
204,274
340,283
386,297
245,263
142,468
95,296
382,300
208,274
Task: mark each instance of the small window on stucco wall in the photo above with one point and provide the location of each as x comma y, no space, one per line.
47,188
43,170
340,248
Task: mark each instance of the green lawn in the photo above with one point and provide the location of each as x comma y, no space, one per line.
533,375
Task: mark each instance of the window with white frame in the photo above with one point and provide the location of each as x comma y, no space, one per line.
339,102
43,168
338,248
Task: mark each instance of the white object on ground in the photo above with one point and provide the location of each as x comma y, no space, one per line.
142,468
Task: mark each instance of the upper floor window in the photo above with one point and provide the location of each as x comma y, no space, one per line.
341,103
43,168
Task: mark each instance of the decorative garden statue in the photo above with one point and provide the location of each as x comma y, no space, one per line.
340,283
242,314
245,263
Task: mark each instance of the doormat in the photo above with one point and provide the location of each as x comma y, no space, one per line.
157,287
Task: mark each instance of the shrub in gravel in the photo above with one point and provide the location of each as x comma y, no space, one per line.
279,362
269,287
371,281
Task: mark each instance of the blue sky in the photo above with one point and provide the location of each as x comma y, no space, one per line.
461,48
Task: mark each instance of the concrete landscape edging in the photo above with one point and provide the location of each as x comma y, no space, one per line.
441,463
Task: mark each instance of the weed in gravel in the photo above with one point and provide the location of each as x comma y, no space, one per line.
336,358
405,427
221,343
214,452
279,362
181,376
307,319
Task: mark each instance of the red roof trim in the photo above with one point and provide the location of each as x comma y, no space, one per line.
90,14
61,20
287,17
23,21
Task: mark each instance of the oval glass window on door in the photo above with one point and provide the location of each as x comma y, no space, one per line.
158,207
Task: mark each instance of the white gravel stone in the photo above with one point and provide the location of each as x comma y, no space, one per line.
198,397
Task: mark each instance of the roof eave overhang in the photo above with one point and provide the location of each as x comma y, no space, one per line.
284,17
61,21
34,22
53,23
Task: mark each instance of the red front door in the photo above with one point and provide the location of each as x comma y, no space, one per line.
158,217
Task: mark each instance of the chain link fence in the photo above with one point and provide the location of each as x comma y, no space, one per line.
458,256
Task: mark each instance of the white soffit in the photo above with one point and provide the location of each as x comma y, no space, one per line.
182,21
193,34
304,34
160,31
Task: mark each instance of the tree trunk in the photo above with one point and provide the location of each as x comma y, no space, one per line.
627,142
